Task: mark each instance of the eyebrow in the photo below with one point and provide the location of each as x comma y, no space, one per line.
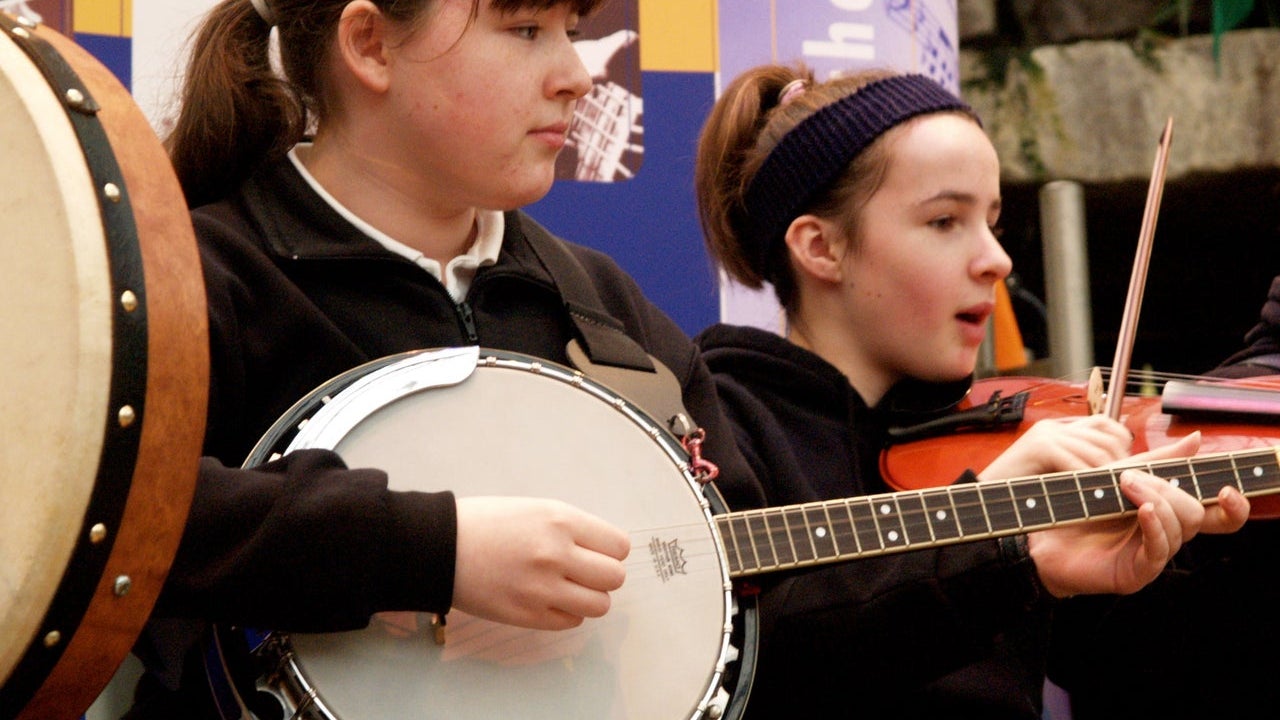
960,197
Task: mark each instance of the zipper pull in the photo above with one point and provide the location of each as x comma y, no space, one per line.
468,319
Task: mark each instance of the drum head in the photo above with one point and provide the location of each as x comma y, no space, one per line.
105,372
56,321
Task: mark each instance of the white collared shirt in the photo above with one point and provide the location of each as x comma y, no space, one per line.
456,276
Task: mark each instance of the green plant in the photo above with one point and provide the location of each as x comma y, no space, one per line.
1225,15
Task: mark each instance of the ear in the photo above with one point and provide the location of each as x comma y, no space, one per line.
816,248
362,44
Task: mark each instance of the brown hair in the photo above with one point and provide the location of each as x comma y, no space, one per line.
744,127
237,113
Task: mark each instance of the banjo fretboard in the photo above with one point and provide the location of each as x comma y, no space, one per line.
793,536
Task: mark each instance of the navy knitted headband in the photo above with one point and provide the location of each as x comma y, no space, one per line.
816,151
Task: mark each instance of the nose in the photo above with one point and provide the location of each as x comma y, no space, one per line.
571,76
993,262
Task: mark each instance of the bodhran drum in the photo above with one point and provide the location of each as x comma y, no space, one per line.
105,372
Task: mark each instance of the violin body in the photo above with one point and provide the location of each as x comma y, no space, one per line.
939,461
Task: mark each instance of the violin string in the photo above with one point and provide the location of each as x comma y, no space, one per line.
1151,382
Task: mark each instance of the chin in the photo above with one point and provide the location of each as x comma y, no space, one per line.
529,193
962,368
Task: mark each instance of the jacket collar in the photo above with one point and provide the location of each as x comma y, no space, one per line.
772,359
297,224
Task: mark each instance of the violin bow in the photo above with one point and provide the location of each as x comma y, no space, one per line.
1138,280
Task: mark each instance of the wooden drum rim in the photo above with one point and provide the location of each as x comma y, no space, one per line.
154,424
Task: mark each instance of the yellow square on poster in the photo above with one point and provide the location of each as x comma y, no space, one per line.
103,17
678,35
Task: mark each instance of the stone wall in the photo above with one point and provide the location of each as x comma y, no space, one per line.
1093,110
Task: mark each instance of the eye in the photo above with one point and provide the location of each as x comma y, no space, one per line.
943,222
997,230
528,32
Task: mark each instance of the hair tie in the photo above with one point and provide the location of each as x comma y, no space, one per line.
791,90
811,155
264,12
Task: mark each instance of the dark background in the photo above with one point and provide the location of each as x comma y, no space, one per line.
1216,249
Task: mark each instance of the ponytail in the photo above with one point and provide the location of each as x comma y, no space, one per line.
236,113
734,142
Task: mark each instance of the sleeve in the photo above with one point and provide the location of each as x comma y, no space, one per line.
303,544
1201,630
1263,339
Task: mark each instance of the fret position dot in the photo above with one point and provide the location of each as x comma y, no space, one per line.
1031,503
1097,493
1257,471
893,536
820,532
1176,482
941,515
884,509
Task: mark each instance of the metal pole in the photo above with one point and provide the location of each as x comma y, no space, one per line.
1066,278
985,365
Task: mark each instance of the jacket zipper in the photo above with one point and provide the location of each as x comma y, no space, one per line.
468,321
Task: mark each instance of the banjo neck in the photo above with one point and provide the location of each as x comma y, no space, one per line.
795,536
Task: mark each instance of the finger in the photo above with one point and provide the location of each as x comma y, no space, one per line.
1166,504
1156,550
1185,446
1099,440
1228,515
595,571
1115,432
1235,504
581,602
593,533
555,619
1077,450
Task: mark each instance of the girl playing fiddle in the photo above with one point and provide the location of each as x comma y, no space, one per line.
870,203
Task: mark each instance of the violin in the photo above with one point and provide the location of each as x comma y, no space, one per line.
1231,415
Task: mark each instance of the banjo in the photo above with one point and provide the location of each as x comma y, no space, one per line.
676,644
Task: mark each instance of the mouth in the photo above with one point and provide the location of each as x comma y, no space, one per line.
977,314
554,134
